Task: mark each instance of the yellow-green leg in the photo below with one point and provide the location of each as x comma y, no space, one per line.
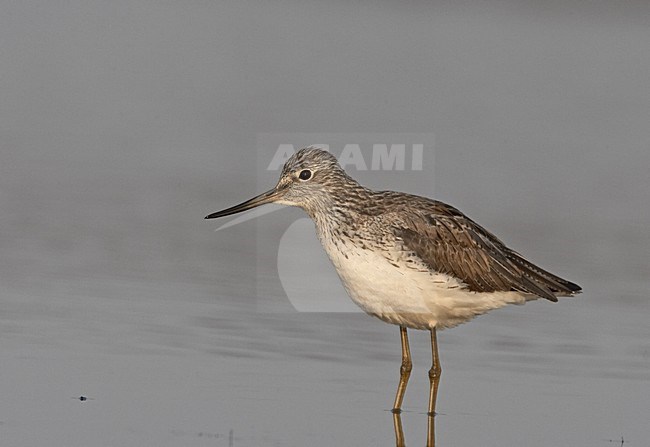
434,373
404,371
434,380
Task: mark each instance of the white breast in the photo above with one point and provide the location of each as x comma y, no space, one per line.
408,295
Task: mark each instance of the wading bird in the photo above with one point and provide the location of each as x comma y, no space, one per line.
407,260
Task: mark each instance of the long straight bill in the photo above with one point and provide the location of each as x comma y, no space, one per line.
266,197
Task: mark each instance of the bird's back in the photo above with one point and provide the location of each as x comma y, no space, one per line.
450,242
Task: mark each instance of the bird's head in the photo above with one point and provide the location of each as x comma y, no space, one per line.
311,179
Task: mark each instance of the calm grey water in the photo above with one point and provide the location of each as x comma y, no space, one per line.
164,333
122,124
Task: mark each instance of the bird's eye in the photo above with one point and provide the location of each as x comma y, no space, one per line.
305,174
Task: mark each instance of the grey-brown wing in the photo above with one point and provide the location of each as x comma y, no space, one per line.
451,243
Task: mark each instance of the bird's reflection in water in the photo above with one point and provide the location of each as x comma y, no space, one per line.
431,430
399,432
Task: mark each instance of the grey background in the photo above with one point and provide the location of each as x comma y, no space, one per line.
123,123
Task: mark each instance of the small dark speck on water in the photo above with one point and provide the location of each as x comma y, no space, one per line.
82,398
